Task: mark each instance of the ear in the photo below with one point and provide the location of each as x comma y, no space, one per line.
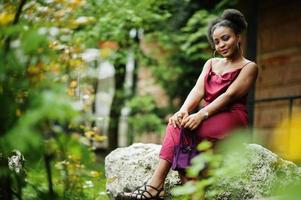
239,38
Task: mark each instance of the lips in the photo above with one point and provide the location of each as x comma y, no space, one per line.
224,51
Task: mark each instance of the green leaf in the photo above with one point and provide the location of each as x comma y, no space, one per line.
186,189
204,145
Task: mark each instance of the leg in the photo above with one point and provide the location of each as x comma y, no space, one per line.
154,188
221,125
155,185
172,138
160,173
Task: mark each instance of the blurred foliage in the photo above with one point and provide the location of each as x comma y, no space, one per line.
144,115
120,24
42,115
178,50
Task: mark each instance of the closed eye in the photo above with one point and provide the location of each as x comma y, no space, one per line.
225,37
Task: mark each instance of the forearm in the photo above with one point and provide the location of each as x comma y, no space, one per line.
218,104
192,100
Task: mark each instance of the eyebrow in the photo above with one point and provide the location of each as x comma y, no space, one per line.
222,36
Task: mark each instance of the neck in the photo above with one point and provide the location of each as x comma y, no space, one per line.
234,57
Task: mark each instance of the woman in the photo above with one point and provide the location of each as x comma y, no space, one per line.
223,85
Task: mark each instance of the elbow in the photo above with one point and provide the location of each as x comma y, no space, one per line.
230,96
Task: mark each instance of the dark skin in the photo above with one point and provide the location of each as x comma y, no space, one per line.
226,42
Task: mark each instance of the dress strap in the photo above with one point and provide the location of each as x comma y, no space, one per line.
245,64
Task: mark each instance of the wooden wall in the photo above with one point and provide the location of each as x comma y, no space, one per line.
279,58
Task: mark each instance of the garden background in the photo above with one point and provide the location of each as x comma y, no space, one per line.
79,78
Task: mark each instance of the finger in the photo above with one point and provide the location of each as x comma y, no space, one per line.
169,121
193,127
184,121
172,122
190,125
196,124
178,122
185,117
187,124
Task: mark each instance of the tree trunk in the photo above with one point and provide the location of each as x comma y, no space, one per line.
117,104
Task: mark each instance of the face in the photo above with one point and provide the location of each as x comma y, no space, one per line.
225,41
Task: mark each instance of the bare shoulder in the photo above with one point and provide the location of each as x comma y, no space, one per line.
208,64
250,68
251,65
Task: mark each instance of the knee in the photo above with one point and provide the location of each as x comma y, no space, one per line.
171,135
171,130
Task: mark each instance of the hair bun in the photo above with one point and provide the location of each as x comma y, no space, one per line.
236,17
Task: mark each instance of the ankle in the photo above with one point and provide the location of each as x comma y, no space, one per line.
156,184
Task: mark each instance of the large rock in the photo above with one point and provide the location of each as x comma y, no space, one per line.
260,171
129,167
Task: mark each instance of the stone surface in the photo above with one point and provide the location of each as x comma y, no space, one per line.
129,167
260,171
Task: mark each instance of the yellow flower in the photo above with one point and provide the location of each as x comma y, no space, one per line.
70,92
54,67
105,53
76,3
33,70
100,138
73,84
6,18
90,134
286,140
94,174
75,62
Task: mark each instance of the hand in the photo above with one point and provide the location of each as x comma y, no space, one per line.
193,121
177,118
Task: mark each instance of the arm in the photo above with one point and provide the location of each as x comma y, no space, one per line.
197,92
240,87
193,99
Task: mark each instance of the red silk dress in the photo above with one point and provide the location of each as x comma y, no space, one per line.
219,125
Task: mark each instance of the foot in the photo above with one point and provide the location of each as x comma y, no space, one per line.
145,192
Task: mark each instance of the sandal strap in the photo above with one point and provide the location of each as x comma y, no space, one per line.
157,190
142,193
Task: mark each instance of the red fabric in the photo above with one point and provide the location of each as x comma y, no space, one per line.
218,125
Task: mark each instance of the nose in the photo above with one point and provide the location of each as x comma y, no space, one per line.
221,45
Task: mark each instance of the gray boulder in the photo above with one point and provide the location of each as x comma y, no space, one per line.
260,171
129,167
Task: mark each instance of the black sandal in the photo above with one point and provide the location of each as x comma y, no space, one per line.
143,194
